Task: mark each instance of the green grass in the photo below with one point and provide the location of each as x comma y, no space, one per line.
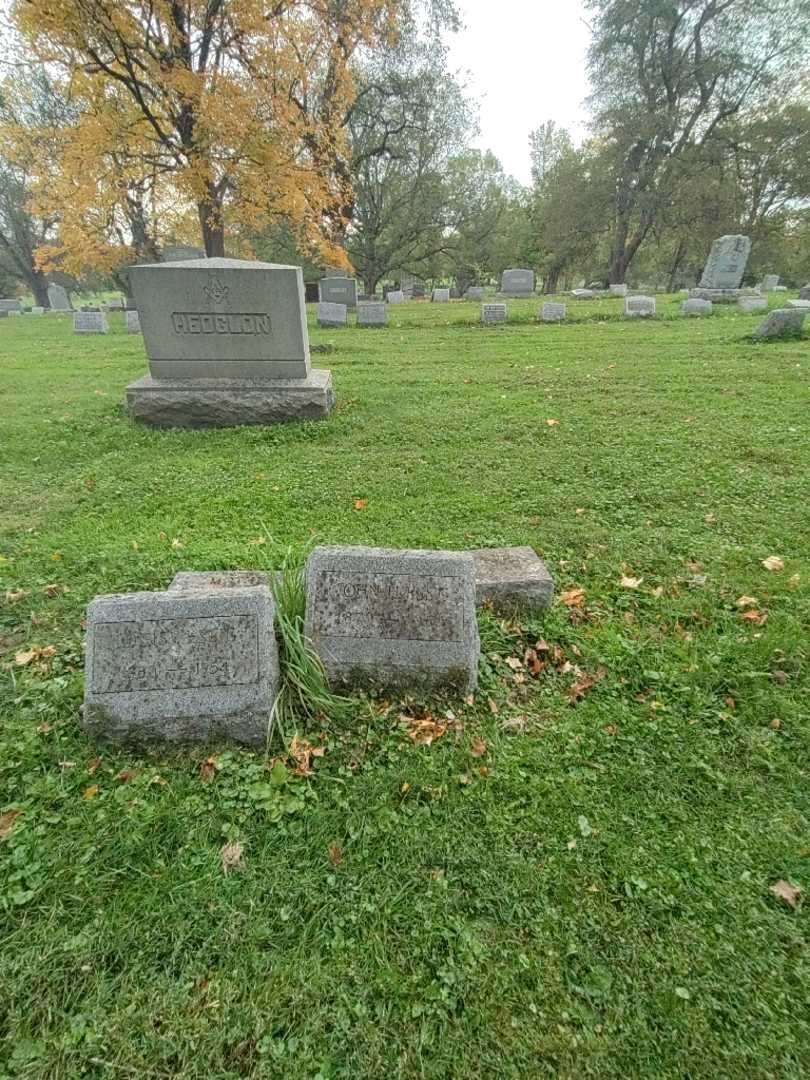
588,897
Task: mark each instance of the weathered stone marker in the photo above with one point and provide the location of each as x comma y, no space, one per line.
750,304
517,283
181,253
617,290
402,620
37,310
782,323
371,313
187,580
639,307
724,270
475,292
396,296
10,305
804,292
132,321
227,344
511,580
181,666
552,311
58,298
769,282
583,294
339,290
493,313
697,307
801,304
331,316
90,322
441,296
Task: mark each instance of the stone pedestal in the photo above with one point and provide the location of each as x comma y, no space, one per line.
721,296
202,403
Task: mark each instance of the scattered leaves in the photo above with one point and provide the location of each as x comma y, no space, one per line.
92,765
208,768
126,775
37,653
773,563
478,748
7,822
424,731
231,857
755,616
585,683
747,601
335,853
13,596
784,890
573,597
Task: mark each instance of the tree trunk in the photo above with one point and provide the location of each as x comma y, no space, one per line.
209,211
39,287
551,281
676,265
370,283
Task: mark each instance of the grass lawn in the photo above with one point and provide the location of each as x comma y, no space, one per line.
552,887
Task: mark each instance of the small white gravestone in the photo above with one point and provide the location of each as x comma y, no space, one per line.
132,321
750,304
330,316
116,304
552,312
371,313
396,296
583,294
37,310
89,322
697,307
618,290
493,313
441,296
639,307
800,305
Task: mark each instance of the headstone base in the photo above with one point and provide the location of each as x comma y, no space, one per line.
511,580
199,403
721,296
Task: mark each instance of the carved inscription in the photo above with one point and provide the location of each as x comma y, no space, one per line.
175,654
394,607
192,322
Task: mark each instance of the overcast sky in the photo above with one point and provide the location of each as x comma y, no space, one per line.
524,62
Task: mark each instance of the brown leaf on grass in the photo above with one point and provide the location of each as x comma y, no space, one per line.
628,582
493,707
13,596
773,563
425,730
513,663
54,590
573,597
300,750
747,601
795,581
583,685
231,857
360,504
533,662
755,616
57,556
7,822
177,543
92,765
784,890
553,423
90,792
335,853
478,748
208,769
36,653
127,774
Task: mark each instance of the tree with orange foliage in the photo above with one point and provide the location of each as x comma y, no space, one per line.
235,106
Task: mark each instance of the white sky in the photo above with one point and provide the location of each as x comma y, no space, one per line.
524,62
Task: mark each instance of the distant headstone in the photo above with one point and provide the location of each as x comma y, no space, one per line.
339,290
583,294
90,322
10,305
116,304
750,304
801,305
804,293
697,307
727,262
181,253
618,290
780,288
441,296
517,283
15,313
769,282
552,312
227,344
402,620
371,313
511,580
396,296
331,316
58,298
37,310
475,292
132,321
3,314
639,306
181,666
782,323
493,313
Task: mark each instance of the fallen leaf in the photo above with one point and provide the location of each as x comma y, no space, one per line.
90,792
773,563
300,751
7,822
360,504
335,853
478,748
483,771
493,707
580,510
513,663
611,729
755,616
230,855
208,768
92,765
630,582
573,597
45,729
553,423
257,541
25,657
710,519
583,685
794,582
177,543
57,556
425,731
54,590
136,546
784,890
776,723
13,596
747,601
571,845
127,774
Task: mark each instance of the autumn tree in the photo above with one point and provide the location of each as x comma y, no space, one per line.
667,75
237,102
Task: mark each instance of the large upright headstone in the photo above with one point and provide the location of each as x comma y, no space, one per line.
58,298
90,322
227,344
339,290
617,290
180,666
403,620
724,270
517,283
